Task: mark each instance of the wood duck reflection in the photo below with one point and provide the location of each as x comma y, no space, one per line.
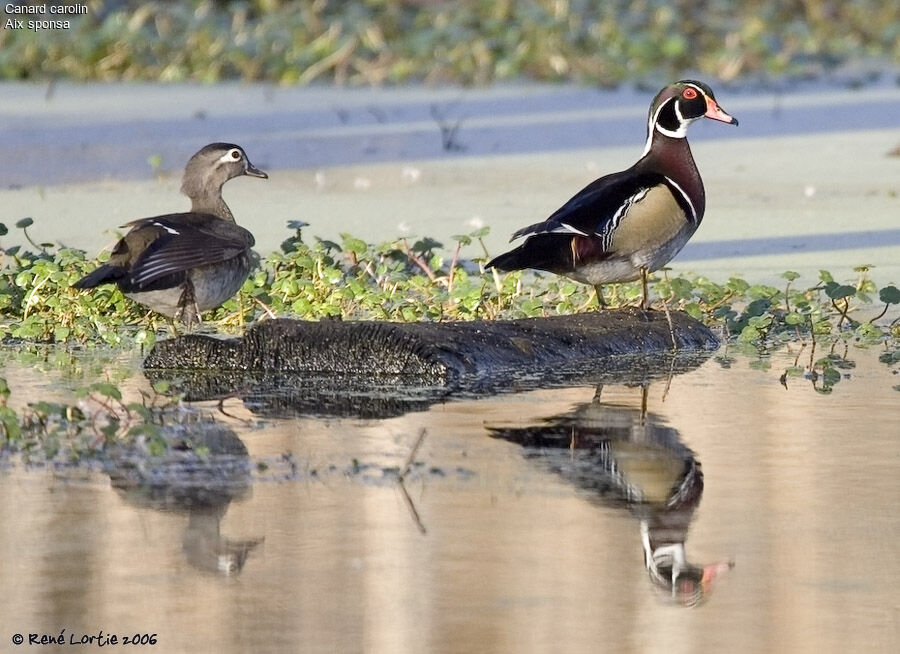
626,457
202,487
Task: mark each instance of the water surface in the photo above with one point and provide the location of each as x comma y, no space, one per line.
522,525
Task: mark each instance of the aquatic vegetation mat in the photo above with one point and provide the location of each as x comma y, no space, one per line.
467,41
422,281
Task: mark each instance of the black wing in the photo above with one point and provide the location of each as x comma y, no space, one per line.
180,242
596,209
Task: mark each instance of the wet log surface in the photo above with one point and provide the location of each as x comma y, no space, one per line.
375,369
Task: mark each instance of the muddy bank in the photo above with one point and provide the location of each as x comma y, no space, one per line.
379,369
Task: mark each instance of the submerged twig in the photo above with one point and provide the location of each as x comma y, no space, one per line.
401,476
412,508
410,459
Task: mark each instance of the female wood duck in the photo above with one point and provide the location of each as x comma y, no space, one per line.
182,264
625,225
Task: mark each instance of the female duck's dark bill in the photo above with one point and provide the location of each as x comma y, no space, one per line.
253,171
716,112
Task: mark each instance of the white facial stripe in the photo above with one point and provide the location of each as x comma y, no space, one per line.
687,199
683,123
653,125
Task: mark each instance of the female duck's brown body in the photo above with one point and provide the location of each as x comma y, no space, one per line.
183,264
627,224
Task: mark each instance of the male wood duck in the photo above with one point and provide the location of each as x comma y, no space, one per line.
625,457
625,225
183,264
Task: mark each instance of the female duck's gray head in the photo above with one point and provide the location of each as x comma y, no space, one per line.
214,165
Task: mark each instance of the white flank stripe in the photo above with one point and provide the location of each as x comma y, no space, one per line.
686,198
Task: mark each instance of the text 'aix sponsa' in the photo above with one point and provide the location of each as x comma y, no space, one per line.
625,225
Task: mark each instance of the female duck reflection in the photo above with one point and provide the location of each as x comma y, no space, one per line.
626,457
185,482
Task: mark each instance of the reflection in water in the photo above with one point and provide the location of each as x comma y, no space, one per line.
367,396
204,469
624,456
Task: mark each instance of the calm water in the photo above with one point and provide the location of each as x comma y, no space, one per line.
769,515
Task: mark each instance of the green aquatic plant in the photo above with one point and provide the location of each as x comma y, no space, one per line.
466,41
98,417
413,280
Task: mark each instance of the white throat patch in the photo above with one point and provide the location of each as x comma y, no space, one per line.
653,125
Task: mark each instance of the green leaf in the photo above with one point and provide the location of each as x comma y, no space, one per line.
749,334
355,245
839,291
889,295
107,389
758,307
832,376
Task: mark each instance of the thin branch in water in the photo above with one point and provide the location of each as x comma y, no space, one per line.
412,507
671,326
221,407
410,459
407,465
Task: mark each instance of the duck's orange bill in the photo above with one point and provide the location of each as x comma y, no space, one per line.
715,112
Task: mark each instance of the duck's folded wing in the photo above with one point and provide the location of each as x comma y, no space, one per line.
184,242
599,208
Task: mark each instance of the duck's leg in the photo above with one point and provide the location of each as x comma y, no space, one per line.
598,289
188,311
645,302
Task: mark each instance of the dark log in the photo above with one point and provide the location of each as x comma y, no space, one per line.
324,361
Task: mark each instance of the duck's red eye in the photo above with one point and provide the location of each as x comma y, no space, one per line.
689,93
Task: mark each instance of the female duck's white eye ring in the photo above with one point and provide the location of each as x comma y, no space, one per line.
235,154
